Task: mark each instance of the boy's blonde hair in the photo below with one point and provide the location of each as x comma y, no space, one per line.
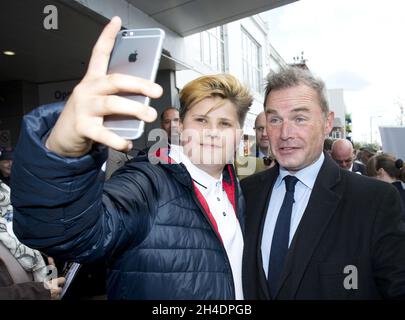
222,85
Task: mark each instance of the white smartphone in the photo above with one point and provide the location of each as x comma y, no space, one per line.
136,52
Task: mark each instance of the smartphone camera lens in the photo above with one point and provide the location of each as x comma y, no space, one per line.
124,34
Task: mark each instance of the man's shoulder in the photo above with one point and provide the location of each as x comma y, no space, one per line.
363,184
258,178
349,183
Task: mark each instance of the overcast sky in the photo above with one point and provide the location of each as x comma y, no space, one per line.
355,45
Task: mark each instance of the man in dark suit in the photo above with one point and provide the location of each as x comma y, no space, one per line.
169,122
314,230
262,146
342,153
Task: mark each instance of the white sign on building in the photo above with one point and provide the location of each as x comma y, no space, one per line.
392,140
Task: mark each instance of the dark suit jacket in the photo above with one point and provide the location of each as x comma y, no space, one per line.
349,220
359,167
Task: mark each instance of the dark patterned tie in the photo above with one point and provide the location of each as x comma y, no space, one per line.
281,235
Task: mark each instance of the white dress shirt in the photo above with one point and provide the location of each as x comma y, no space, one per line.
222,211
303,188
261,155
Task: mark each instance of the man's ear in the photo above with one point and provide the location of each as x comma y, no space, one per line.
329,123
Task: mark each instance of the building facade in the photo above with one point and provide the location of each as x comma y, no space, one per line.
201,37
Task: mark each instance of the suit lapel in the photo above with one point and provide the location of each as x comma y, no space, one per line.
259,202
321,207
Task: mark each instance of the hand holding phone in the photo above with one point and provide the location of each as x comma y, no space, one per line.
98,95
136,52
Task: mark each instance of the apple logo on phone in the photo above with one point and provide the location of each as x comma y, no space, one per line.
133,56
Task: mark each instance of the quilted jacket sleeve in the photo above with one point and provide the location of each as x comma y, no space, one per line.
59,204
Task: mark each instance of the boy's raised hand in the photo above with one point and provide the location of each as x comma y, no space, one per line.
81,121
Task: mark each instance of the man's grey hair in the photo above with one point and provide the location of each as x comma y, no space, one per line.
294,76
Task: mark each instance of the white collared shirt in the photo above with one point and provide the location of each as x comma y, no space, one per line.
261,155
306,180
222,211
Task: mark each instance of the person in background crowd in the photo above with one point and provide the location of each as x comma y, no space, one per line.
169,230
365,153
23,271
260,157
169,121
308,221
387,168
261,148
327,145
342,153
6,161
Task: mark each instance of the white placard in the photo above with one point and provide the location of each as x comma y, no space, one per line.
393,141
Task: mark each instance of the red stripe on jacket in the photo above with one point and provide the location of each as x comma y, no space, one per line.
228,187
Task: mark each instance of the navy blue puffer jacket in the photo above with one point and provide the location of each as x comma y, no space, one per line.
146,221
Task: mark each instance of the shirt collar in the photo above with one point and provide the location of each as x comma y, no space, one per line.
199,176
307,175
261,154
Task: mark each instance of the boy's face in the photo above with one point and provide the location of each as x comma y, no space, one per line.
210,132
